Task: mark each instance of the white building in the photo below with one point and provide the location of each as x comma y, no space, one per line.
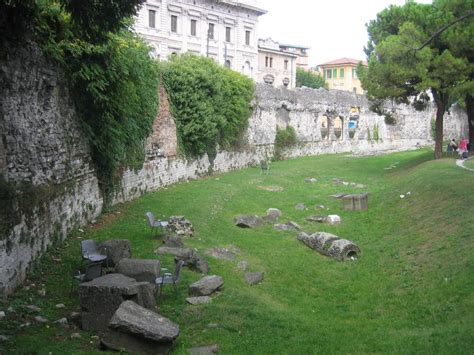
276,67
225,30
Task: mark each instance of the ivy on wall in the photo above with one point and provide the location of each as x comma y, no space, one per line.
210,103
113,80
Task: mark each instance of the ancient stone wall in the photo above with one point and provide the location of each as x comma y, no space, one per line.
45,161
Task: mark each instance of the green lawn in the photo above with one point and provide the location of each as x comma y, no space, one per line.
469,163
411,291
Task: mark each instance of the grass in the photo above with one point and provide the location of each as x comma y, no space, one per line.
411,291
469,163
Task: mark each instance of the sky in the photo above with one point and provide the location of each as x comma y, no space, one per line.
332,28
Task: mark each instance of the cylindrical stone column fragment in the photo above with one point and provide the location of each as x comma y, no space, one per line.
330,245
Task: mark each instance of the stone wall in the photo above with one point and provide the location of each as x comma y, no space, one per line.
45,160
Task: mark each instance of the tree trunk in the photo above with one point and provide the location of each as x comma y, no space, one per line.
440,100
470,117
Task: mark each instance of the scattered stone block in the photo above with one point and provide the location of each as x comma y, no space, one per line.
271,188
338,196
254,278
33,308
272,215
139,269
3,338
293,225
221,253
101,297
185,254
242,265
210,349
357,202
116,250
2,315
300,206
41,319
199,300
312,180
135,319
282,227
138,330
330,245
60,306
206,286
317,218
180,226
248,221
173,241
333,219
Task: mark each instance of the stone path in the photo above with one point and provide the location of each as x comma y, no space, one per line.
460,163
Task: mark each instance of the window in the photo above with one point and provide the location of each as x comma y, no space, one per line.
151,18
174,23
329,73
334,73
266,61
286,64
247,38
228,64
210,31
227,34
354,73
341,73
193,27
271,62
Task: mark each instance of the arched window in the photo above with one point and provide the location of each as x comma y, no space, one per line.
338,126
324,127
228,64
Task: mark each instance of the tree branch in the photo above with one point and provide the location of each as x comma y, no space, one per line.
444,28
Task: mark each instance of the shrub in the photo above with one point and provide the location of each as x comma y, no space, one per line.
284,138
309,79
210,103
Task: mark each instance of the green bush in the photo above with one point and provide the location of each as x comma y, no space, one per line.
309,79
210,103
284,138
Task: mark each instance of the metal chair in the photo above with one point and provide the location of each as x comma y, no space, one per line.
90,251
155,223
169,278
264,168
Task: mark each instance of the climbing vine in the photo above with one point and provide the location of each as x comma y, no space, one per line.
113,80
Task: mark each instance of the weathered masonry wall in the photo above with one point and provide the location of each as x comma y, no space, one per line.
45,160
306,110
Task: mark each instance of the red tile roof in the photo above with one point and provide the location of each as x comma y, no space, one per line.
344,61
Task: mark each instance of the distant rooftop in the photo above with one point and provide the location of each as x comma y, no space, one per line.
246,4
294,46
344,60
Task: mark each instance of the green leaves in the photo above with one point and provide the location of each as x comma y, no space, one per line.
210,103
308,79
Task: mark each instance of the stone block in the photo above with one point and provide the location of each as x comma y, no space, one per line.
116,250
206,286
146,270
101,297
357,202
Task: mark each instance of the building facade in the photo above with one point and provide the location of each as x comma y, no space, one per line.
225,30
275,66
341,74
301,53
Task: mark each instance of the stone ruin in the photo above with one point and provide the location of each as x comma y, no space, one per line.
356,202
331,245
179,225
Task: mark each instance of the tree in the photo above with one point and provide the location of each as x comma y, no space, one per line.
400,68
308,79
460,41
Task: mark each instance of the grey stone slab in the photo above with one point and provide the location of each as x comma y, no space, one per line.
133,319
199,300
206,286
139,269
254,278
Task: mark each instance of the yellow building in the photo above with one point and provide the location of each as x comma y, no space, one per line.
341,74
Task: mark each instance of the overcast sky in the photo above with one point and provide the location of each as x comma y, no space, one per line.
332,28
